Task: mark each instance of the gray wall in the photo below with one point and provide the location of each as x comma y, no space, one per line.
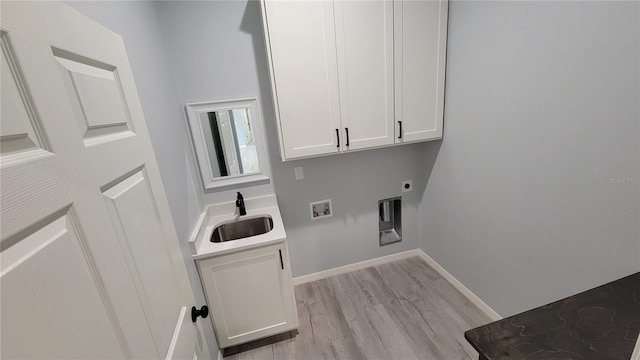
211,51
190,51
542,112
217,52
138,24
517,202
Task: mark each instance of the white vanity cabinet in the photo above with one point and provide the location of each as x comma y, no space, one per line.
350,75
250,293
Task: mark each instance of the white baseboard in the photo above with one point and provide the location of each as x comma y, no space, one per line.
353,267
494,316
220,354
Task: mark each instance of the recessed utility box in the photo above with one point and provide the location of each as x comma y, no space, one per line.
390,220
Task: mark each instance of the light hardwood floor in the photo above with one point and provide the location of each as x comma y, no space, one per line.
399,310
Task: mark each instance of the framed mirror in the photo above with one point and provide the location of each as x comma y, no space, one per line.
228,140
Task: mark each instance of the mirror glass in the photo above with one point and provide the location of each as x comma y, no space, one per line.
231,143
227,137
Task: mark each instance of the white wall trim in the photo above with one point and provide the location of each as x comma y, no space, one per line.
486,309
353,267
220,356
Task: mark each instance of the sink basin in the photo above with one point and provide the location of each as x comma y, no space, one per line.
242,229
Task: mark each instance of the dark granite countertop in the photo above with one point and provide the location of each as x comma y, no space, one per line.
602,323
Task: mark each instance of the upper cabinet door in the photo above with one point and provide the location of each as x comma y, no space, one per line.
364,38
420,55
304,76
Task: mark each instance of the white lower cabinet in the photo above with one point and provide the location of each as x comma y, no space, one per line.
249,293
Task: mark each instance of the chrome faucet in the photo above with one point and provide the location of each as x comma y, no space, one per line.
240,205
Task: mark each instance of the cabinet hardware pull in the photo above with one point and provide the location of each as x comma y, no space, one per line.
347,130
338,137
281,262
400,135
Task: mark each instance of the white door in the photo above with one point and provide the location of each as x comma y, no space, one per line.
304,76
90,264
364,38
420,54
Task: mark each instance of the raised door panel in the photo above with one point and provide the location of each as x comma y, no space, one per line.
52,308
96,96
250,294
304,75
21,135
420,55
364,33
133,214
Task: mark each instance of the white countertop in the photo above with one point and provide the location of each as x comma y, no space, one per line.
214,215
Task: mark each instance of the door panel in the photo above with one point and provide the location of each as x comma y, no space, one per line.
240,319
95,93
105,276
21,137
56,293
134,215
364,33
250,294
303,59
420,37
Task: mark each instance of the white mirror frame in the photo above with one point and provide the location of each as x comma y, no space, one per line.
199,142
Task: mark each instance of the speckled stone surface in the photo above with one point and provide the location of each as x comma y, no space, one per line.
602,323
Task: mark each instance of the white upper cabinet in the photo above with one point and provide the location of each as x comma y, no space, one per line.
420,39
304,76
364,37
350,75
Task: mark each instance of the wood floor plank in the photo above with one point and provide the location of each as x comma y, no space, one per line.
398,310
319,339
461,304
390,334
421,342
344,342
365,336
436,328
451,327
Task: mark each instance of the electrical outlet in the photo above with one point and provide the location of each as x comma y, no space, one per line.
407,185
299,173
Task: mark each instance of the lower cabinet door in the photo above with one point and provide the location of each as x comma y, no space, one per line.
250,294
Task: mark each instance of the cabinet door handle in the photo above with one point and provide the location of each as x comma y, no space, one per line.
281,262
338,137
347,131
400,134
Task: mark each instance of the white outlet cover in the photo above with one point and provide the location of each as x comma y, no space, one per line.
299,173
404,185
